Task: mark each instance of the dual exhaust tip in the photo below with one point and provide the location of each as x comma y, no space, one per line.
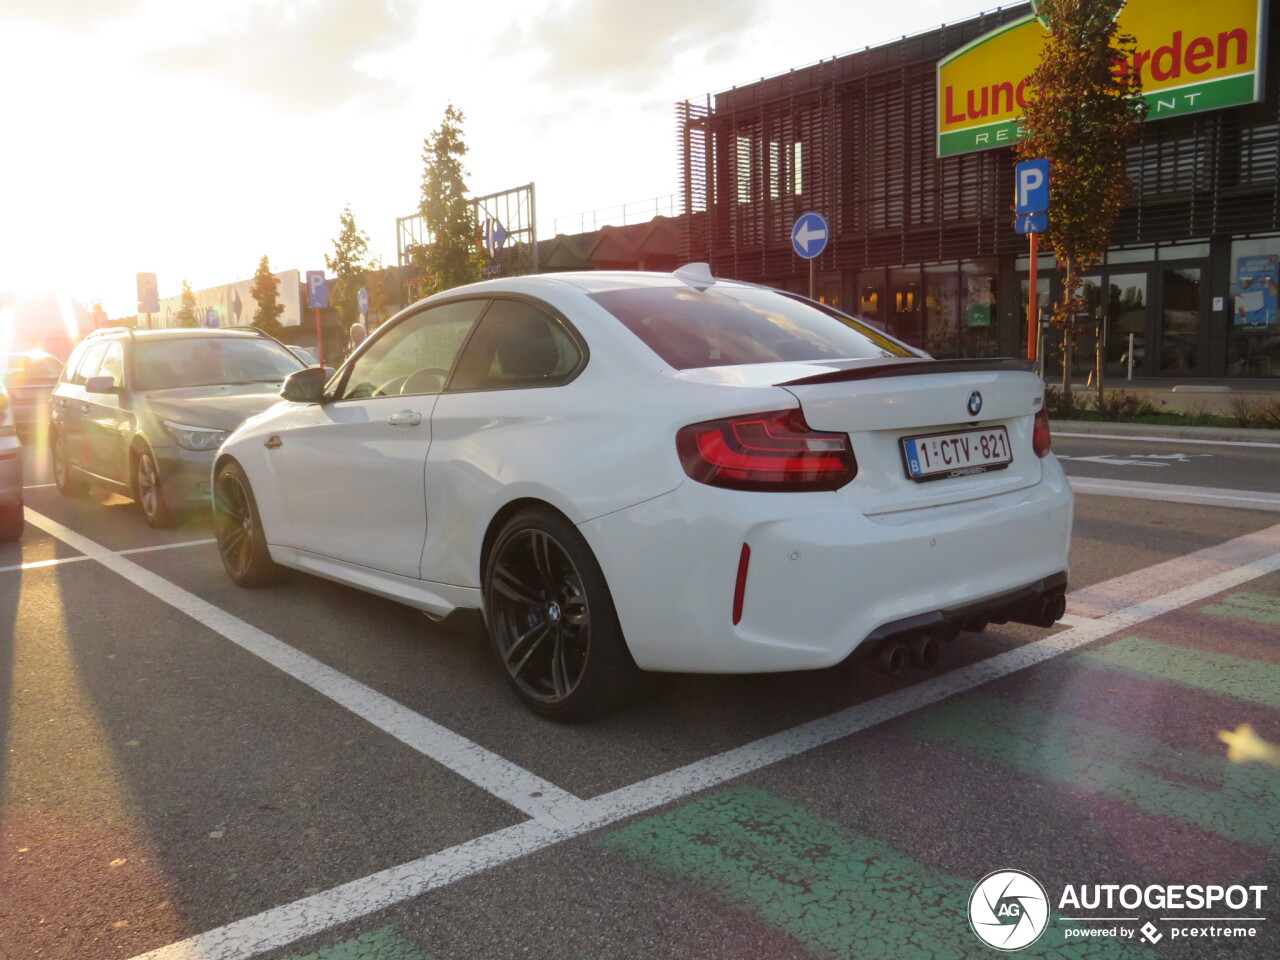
921,649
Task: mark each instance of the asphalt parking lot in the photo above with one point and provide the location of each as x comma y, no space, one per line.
198,771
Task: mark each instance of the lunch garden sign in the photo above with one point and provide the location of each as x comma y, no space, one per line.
1193,56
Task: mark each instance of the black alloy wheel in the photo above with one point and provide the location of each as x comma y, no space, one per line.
551,619
237,526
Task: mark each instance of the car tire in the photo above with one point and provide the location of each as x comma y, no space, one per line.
12,522
551,619
149,492
237,526
64,474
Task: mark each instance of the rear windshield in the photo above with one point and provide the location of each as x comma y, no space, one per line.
204,361
723,326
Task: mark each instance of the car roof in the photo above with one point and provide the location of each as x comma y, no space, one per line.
582,282
180,333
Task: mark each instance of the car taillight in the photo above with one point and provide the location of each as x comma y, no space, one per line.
1040,439
773,451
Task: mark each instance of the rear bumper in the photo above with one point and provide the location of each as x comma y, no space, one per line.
10,471
824,582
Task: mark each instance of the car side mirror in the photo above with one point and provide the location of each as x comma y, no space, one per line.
306,386
101,385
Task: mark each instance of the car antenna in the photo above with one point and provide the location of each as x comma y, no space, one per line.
696,275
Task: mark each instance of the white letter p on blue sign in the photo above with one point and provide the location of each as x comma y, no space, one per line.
1032,178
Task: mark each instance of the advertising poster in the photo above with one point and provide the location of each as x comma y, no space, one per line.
977,311
1256,280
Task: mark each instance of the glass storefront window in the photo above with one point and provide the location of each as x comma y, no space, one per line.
942,311
1132,255
1180,320
1126,321
869,297
979,317
905,306
1253,334
1182,251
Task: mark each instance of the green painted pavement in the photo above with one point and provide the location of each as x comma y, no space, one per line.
1248,606
1240,802
385,943
1251,680
837,892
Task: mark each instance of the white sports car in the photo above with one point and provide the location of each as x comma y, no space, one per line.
639,471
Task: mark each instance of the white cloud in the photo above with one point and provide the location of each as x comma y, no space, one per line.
68,14
625,45
302,54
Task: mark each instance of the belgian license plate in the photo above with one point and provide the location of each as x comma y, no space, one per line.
959,454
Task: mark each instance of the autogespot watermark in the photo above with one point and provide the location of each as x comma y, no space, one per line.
1010,910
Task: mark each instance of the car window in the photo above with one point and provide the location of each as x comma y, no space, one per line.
88,365
414,356
205,361
73,362
516,345
112,364
726,325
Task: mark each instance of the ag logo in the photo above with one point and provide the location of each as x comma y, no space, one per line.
1008,910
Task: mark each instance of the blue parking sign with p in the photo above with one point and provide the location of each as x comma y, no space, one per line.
1032,179
317,290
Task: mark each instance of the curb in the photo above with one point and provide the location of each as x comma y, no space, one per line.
1164,431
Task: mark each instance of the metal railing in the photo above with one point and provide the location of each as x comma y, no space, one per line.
638,211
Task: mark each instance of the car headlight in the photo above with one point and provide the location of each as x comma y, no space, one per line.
195,438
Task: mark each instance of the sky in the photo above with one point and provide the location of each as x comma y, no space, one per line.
191,139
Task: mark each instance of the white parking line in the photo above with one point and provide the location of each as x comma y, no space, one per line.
1211,443
1177,493
1101,599
352,901
529,794
58,561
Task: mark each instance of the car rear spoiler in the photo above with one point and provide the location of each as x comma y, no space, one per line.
894,367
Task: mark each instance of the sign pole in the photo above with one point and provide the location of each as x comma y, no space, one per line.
1033,300
319,339
318,297
809,237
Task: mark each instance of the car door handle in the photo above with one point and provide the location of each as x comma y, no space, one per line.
405,418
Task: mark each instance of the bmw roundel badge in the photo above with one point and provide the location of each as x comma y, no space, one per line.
975,403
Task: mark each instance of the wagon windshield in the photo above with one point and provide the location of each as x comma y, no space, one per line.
204,361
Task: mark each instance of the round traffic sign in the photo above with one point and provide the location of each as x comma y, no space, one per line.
809,235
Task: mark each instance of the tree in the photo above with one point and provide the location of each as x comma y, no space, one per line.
1084,107
186,315
348,265
266,291
376,277
450,256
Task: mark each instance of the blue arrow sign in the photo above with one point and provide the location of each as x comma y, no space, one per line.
1032,191
495,235
809,235
1031,223
362,301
